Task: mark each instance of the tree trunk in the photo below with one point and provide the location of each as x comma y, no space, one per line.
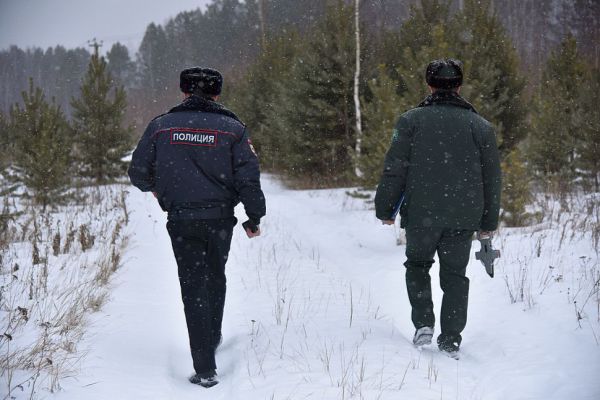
261,17
359,134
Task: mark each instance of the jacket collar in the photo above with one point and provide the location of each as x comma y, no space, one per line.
201,104
442,96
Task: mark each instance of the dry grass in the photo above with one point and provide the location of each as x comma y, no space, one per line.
54,272
562,251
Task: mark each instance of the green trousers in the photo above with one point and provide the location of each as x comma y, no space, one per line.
453,248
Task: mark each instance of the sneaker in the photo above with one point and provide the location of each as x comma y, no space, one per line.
450,349
423,336
207,379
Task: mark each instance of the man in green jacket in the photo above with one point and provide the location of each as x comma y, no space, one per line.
443,173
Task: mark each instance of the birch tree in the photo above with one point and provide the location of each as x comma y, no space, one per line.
359,134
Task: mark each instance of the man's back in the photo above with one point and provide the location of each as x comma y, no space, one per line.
201,162
444,161
445,183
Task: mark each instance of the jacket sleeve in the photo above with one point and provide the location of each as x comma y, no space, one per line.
141,168
492,182
246,178
395,170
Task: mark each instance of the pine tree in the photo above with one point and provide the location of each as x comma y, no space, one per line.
474,36
316,114
425,36
557,121
120,65
5,142
381,114
259,93
102,141
417,32
399,83
154,63
42,147
517,190
411,69
157,76
495,86
588,146
493,82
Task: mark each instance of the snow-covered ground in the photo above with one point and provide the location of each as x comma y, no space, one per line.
317,309
55,267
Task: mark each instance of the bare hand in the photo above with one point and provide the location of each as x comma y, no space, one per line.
387,222
485,234
251,234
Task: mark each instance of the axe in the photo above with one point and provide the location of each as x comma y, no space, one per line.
487,254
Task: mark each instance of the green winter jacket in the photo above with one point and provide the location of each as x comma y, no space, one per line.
443,164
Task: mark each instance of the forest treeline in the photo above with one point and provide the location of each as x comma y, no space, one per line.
230,34
531,68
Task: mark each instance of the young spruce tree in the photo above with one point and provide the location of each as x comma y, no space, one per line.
495,87
316,114
493,82
381,114
260,94
588,144
400,84
42,147
558,122
5,142
517,190
101,139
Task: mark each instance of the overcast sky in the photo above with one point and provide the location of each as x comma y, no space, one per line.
71,23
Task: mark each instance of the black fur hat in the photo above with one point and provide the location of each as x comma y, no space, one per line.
444,74
201,81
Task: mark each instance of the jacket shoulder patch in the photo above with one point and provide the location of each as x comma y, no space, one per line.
252,147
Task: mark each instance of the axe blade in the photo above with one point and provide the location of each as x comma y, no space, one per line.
487,254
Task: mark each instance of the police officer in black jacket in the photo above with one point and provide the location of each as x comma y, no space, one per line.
197,159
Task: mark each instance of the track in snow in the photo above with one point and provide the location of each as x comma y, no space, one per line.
317,309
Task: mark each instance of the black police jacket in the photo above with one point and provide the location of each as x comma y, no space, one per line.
200,163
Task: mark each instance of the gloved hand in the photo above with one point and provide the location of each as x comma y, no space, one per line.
252,228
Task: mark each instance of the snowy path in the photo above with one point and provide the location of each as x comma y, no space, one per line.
317,309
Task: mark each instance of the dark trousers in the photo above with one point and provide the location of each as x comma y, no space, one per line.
453,248
201,248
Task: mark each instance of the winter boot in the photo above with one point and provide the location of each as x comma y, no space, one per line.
207,379
423,336
449,349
